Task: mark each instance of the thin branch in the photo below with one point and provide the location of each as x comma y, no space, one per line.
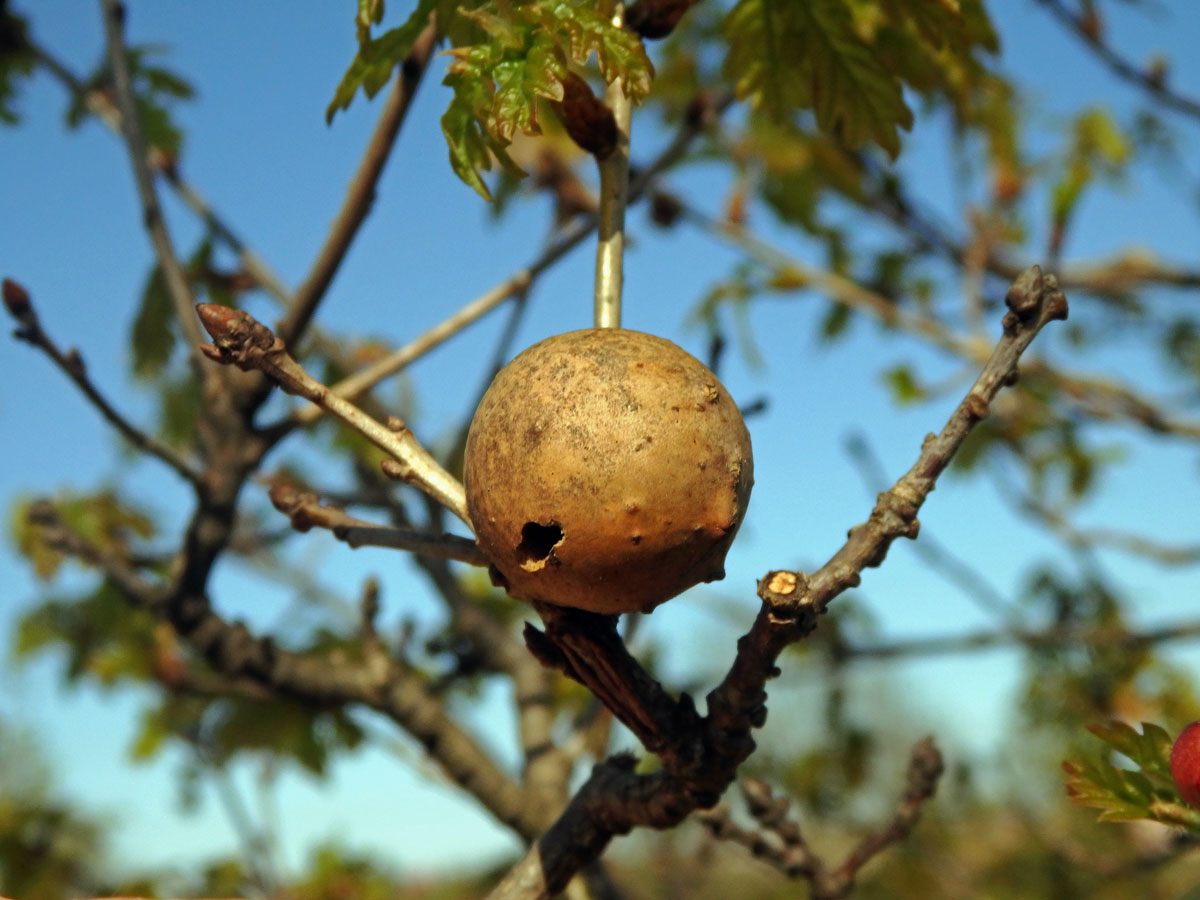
935,555
1101,399
305,511
780,842
614,196
99,104
17,300
702,113
1106,399
1150,80
361,193
925,769
360,382
156,226
242,341
1128,542
1091,636
836,287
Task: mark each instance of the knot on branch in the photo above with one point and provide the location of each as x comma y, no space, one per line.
294,503
238,338
925,769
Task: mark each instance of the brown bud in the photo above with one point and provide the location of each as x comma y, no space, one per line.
586,118
16,298
665,209
655,19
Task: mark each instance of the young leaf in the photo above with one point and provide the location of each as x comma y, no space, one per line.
785,56
152,338
1124,794
377,57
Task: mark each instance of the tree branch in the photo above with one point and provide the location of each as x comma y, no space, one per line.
242,341
780,842
305,511
1150,80
361,193
101,106
19,305
156,226
375,680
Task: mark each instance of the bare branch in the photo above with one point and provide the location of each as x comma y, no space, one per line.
99,104
305,511
793,600
156,226
779,841
1128,542
1054,636
242,341
836,287
1107,399
17,300
1150,80
361,193
932,552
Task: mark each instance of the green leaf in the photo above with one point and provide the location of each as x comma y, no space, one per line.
585,30
101,636
102,519
468,143
1124,794
16,61
377,58
152,338
1150,749
835,321
786,56
904,385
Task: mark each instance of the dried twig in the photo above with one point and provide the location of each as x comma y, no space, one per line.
1152,81
779,841
152,216
29,329
361,192
305,511
240,340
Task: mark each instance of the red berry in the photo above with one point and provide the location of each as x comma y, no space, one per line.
1185,764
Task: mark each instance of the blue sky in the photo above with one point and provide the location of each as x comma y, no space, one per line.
258,147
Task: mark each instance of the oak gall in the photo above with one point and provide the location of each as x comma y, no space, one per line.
606,470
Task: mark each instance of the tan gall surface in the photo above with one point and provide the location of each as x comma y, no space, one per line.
607,470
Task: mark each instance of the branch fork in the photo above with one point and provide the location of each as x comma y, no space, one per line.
240,340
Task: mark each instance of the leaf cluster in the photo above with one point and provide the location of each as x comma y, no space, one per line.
1126,794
